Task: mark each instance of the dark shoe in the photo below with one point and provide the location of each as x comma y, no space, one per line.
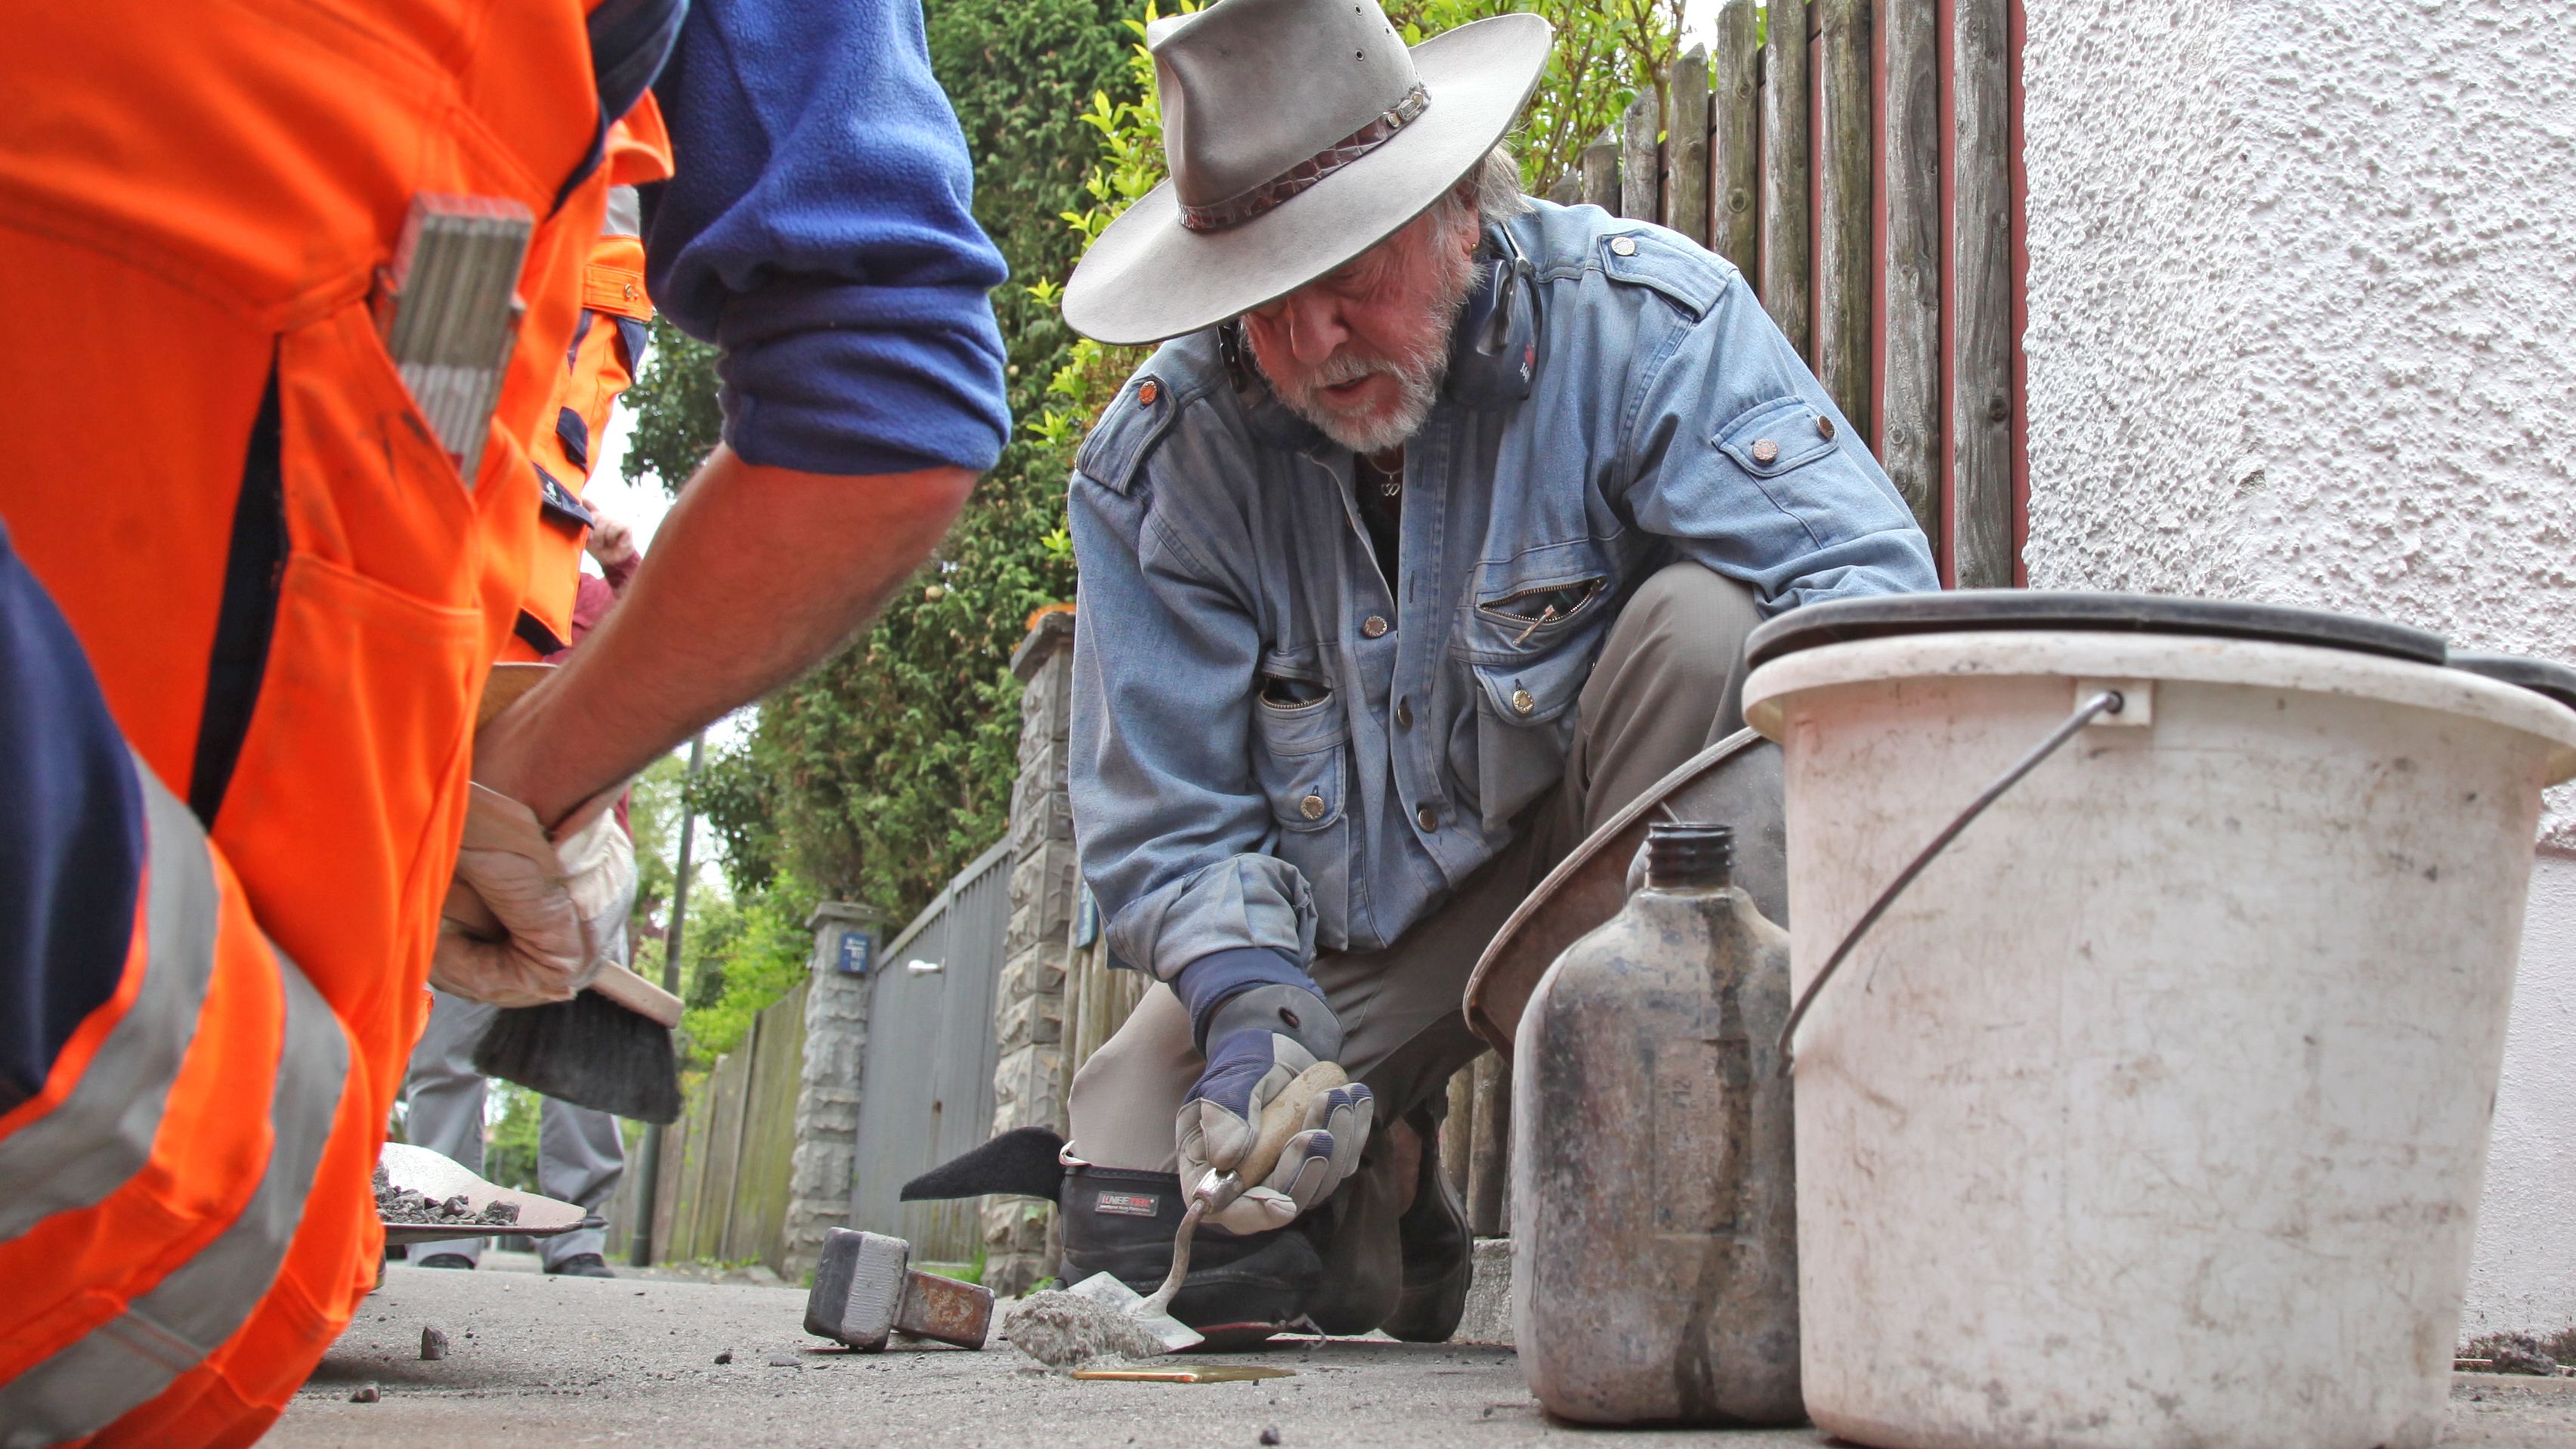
582,1265
1438,1253
1240,1289
446,1260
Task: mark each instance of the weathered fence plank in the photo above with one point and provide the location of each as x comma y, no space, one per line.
1981,387
1601,173
1641,158
1842,81
1787,273
759,1226
1735,233
1568,190
1489,1159
1909,444
1686,143
1457,1133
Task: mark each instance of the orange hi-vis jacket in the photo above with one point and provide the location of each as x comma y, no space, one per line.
607,346
290,598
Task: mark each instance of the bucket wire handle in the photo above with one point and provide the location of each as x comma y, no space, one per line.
2107,702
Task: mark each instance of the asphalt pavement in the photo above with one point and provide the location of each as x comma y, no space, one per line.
554,1362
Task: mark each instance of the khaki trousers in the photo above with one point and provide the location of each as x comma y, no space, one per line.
1669,683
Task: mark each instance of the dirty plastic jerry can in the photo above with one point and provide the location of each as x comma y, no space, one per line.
1654,1190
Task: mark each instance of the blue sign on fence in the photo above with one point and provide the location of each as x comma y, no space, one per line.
858,948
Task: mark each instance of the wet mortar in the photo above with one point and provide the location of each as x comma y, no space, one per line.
1065,1331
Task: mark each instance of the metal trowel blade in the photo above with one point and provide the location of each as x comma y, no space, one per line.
1107,1290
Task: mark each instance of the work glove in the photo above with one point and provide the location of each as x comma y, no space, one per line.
1262,1024
528,916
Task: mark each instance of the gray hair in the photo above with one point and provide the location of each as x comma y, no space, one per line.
1492,189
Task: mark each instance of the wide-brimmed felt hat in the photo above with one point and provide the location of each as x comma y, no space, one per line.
1299,133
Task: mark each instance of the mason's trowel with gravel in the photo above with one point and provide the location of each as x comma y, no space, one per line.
1280,1120
424,1196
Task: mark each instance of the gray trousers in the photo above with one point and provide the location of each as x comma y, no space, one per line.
580,1155
1669,683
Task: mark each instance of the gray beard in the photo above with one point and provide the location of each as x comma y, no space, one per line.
1419,377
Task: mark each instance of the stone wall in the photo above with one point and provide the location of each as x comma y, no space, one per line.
1028,1002
827,1099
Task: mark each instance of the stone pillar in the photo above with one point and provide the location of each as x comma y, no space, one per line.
843,966
1028,1002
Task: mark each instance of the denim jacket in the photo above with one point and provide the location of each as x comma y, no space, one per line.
1274,745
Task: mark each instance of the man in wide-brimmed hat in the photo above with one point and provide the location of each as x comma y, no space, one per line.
1429,541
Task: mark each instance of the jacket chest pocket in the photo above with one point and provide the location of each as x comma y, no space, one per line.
1527,642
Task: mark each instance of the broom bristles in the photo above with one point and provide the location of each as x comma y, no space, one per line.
588,1051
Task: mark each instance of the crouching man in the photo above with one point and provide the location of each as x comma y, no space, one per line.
1429,542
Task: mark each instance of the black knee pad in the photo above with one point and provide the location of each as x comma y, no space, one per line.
1120,1221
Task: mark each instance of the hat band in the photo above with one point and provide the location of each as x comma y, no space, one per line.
1236,210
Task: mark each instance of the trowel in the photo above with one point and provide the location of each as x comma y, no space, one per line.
1280,1120
438,1177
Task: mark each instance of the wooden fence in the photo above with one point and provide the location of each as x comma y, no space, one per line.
1859,167
726,1163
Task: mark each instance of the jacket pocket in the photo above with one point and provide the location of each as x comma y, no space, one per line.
1527,642
1301,756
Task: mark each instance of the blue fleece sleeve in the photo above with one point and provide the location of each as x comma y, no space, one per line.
71,857
818,231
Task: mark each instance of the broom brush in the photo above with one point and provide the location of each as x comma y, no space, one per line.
608,1048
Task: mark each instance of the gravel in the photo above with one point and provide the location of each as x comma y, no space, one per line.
414,1209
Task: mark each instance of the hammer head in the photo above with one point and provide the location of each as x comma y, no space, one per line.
865,1291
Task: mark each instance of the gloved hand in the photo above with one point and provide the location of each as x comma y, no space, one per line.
1263,1023
526,915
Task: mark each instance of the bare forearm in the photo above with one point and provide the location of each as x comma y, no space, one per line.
756,573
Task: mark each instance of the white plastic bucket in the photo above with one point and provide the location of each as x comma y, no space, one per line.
2154,1113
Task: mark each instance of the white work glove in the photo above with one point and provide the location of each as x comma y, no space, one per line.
1219,1122
527,918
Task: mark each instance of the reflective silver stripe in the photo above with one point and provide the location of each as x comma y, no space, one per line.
126,1361
101,1134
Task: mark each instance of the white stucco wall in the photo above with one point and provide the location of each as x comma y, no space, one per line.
2524,1275
2303,330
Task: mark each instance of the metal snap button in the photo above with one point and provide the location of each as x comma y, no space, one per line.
1403,714
1765,450
1524,701
1427,818
1149,391
1824,426
1374,627
1312,807
1625,246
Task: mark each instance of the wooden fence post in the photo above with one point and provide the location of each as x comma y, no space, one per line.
1458,1133
1981,400
1788,263
1641,158
1489,1213
1686,149
1736,231
1843,226
1910,395
1601,173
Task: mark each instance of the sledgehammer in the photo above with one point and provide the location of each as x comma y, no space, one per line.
866,1291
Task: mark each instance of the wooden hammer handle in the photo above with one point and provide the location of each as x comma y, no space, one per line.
1285,1117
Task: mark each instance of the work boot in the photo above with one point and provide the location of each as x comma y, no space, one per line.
1356,1236
1240,1289
583,1265
446,1260
1432,1237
